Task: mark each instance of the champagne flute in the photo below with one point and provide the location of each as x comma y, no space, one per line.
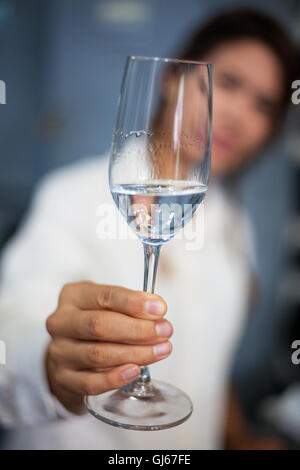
158,176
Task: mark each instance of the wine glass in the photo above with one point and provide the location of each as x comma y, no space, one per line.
158,176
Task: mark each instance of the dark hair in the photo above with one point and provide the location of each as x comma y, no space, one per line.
247,23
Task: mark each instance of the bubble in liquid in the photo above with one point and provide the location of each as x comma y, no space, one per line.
138,133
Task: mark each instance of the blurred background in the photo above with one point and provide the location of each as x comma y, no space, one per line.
62,62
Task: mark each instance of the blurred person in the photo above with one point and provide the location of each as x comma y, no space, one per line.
272,406
57,274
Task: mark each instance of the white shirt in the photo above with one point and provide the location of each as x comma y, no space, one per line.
206,291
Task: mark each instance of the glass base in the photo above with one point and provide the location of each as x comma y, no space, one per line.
167,408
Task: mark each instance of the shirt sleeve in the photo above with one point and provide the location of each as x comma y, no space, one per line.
44,254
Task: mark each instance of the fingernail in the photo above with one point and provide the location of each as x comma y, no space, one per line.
155,307
161,349
163,328
130,373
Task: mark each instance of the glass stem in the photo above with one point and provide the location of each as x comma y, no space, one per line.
142,387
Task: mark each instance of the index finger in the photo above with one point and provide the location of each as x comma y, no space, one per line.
92,296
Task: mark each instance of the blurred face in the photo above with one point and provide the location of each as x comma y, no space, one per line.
247,92
247,89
